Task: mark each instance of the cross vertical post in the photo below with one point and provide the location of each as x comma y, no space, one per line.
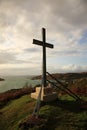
42,93
44,57
44,44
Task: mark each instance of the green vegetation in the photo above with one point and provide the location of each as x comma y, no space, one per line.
64,114
15,111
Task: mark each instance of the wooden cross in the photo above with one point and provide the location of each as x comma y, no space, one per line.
44,45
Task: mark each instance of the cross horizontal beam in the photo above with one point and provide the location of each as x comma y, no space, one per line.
37,42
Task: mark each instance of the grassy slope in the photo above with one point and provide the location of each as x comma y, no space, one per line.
60,115
15,111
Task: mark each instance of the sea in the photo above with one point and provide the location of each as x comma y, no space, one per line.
15,82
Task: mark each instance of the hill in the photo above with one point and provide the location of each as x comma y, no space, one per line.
66,76
77,82
13,94
64,114
1,79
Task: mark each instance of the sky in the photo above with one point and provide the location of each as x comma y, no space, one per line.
21,21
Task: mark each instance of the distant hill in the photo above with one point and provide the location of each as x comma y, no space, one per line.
65,76
1,79
77,82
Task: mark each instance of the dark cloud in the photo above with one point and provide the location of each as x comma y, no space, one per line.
71,12
68,13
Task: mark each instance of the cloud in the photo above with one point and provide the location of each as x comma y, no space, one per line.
20,71
71,12
32,50
6,57
21,21
66,53
10,58
74,68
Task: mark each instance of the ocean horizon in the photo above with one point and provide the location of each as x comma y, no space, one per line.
15,82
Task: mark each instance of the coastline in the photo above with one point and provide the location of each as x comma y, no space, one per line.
12,94
16,82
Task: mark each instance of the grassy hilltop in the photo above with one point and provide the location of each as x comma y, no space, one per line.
62,114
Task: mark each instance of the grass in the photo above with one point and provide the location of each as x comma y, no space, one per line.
64,114
15,111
